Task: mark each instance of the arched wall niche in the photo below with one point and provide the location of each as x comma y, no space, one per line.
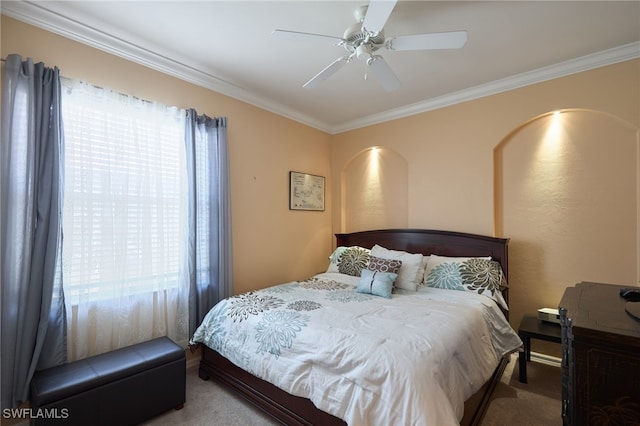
375,190
566,193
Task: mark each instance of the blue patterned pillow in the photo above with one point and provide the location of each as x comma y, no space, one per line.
376,283
476,274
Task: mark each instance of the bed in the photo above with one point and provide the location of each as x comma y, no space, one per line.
304,375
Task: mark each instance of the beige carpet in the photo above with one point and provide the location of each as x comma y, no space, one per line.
537,402
513,403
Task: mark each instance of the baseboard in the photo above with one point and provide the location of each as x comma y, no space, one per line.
546,359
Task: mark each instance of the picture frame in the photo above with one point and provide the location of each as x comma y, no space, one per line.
306,191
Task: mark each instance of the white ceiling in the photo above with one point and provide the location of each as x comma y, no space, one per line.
227,46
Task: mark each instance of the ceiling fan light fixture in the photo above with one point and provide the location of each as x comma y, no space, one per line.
363,52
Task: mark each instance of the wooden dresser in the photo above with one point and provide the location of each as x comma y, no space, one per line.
600,357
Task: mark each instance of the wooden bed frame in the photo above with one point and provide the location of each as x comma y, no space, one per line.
294,410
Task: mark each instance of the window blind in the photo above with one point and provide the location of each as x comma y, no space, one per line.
125,182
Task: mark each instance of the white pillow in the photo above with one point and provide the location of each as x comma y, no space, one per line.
422,275
410,272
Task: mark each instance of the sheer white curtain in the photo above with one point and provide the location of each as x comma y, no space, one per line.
124,220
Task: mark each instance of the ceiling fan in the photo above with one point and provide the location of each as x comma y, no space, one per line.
366,37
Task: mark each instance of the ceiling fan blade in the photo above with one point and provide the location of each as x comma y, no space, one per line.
326,73
377,14
384,73
446,40
315,38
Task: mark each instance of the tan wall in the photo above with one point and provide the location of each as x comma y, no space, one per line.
270,243
451,172
374,190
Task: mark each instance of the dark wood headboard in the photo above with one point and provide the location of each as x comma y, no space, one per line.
426,241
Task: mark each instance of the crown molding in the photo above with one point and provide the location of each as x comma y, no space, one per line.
37,15
607,57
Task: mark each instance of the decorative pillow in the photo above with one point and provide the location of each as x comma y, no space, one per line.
376,283
384,265
349,260
409,274
476,274
333,259
437,260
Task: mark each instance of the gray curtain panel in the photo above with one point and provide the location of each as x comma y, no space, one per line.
210,250
33,333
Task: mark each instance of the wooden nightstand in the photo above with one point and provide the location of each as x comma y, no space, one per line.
532,327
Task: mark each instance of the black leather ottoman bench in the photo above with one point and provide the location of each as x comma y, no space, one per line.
122,387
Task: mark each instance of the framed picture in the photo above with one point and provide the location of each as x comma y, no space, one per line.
306,192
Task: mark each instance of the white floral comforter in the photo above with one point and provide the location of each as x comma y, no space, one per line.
410,360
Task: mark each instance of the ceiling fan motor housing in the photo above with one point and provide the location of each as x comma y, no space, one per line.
355,37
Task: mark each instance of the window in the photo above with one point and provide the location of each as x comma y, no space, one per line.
124,207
